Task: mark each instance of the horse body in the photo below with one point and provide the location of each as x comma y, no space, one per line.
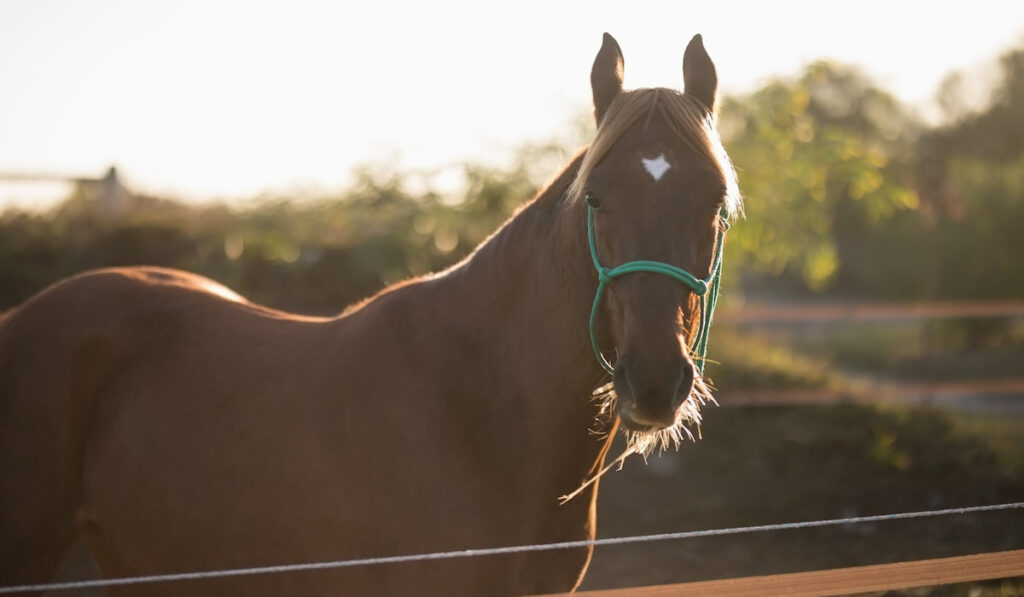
271,438
178,427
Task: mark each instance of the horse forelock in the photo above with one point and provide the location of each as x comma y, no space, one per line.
687,117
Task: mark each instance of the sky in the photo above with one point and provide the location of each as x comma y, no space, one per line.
222,99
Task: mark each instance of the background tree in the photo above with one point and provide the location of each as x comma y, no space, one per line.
820,159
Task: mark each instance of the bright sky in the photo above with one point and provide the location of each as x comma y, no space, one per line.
222,99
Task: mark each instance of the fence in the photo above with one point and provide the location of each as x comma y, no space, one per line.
924,573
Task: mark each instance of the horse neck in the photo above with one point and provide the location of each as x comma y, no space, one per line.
525,298
515,359
535,284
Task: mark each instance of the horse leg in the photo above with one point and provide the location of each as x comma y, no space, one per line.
37,510
47,392
37,535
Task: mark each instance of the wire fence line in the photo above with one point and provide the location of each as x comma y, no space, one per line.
466,553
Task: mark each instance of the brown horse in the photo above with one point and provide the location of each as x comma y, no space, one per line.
177,427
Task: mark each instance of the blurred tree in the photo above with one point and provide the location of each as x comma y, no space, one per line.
971,175
820,159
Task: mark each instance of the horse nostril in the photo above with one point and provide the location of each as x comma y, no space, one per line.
685,383
623,388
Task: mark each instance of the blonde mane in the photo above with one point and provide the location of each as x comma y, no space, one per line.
687,117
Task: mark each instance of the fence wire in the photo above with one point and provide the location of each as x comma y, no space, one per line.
468,553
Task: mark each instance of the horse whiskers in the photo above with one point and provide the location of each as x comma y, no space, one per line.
645,442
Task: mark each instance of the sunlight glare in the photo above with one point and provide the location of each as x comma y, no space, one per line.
229,99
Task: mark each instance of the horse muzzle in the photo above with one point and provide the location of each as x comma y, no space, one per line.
649,395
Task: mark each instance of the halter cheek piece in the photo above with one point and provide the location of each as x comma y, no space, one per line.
707,289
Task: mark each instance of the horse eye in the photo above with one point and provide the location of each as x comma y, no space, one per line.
592,200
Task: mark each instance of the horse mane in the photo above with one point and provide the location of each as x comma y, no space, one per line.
686,116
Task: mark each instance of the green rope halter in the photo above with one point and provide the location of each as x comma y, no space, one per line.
707,289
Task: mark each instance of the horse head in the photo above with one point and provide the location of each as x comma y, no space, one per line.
658,190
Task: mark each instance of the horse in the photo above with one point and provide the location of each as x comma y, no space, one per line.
175,426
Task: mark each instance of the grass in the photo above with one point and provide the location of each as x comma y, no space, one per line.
934,361
760,360
834,356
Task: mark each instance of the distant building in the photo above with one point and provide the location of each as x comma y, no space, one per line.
107,195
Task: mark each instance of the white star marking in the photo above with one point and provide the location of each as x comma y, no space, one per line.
657,167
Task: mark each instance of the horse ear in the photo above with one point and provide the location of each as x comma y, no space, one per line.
699,77
606,76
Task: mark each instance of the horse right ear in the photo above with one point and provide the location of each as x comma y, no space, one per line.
699,77
606,76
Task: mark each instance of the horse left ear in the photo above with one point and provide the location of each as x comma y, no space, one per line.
699,77
606,76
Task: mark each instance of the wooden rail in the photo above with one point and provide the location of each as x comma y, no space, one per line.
839,312
844,581
902,393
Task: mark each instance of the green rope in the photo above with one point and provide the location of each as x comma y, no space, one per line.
707,289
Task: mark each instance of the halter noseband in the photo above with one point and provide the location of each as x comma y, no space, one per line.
707,289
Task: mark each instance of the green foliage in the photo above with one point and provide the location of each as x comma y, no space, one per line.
811,152
848,193
973,173
312,256
980,249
